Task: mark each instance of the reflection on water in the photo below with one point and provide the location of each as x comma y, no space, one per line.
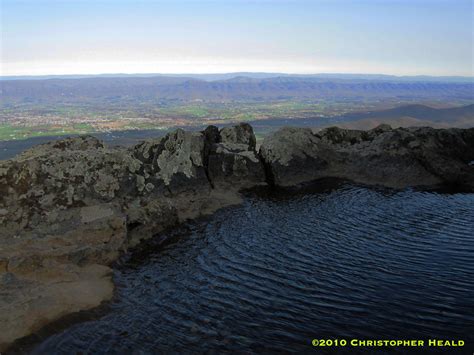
273,274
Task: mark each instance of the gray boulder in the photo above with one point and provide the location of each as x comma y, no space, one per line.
241,134
233,161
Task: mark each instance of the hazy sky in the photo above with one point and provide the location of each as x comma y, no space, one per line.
402,37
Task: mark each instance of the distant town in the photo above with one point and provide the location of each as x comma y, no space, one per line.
64,106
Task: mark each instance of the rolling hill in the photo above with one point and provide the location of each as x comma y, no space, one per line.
241,88
411,115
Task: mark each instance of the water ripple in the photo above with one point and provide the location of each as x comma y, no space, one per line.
273,274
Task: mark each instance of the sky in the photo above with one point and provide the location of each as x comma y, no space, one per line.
399,37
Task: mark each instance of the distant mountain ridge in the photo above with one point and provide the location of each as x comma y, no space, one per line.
253,75
231,89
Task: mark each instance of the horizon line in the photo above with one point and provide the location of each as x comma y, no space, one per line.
240,72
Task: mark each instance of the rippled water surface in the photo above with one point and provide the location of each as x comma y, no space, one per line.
273,274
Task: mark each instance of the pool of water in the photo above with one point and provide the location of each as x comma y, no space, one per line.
275,273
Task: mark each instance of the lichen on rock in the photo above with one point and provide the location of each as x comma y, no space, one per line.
382,156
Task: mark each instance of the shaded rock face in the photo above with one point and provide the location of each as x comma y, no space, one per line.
48,188
233,161
241,134
383,156
77,183
190,161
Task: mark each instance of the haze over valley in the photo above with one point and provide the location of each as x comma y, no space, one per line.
57,106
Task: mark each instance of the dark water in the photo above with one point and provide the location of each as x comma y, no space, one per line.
271,275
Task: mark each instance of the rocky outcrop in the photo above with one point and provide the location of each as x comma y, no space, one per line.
73,206
232,159
69,208
382,156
